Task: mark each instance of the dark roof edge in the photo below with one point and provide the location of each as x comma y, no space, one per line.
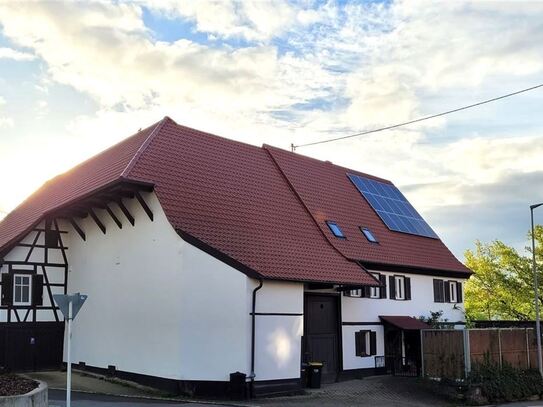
417,270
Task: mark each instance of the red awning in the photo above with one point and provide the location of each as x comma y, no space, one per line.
404,322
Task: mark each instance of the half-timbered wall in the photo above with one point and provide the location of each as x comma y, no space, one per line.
32,256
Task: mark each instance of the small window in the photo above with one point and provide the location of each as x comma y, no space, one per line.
365,343
369,235
22,287
453,290
354,293
400,287
336,230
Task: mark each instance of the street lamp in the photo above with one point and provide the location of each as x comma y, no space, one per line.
536,290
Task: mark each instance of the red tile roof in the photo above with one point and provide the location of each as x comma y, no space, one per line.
404,322
328,194
247,203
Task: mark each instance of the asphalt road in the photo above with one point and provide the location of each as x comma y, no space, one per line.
57,398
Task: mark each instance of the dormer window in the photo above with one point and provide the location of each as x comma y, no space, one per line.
336,230
369,235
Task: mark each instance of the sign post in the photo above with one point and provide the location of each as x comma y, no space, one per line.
69,306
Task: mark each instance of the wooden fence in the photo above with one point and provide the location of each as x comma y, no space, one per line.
450,353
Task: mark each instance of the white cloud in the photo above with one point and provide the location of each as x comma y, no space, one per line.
310,71
6,122
10,53
252,20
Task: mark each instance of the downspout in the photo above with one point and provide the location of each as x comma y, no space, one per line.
253,330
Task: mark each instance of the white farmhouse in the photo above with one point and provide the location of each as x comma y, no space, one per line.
203,256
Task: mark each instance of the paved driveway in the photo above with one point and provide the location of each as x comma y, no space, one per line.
378,391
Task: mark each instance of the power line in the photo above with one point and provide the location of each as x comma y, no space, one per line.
294,147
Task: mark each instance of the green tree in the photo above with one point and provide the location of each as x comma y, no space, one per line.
502,286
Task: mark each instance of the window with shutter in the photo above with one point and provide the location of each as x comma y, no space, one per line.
366,343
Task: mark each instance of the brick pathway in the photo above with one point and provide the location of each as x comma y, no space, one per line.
376,391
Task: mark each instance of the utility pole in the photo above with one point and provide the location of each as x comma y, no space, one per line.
536,292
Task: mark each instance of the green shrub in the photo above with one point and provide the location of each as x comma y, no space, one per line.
505,382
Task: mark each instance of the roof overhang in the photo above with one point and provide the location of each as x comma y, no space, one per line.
398,268
82,206
404,322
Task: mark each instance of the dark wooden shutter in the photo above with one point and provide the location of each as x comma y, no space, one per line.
7,289
373,343
392,286
37,289
383,289
447,290
360,343
367,291
459,291
407,286
438,290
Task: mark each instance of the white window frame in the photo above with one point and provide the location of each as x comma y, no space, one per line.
453,293
399,287
367,339
355,293
375,292
15,285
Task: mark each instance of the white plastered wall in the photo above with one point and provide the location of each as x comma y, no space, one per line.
278,337
156,304
367,310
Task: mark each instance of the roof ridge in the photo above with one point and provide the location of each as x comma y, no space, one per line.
360,173
144,146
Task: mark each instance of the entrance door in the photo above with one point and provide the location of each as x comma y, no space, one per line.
321,333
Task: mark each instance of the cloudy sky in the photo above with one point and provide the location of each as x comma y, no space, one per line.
77,77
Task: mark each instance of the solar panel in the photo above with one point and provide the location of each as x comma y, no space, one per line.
392,207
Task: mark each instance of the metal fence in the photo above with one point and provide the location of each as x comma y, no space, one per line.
449,353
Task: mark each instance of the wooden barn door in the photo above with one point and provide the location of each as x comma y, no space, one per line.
28,346
321,333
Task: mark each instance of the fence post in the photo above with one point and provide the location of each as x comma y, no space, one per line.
500,346
422,352
527,347
467,353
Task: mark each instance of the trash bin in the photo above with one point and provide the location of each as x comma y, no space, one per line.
314,373
238,386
